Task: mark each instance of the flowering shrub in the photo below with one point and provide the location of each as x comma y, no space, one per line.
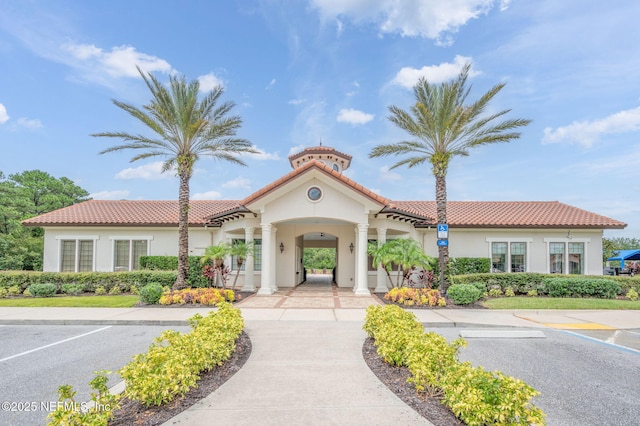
415,296
204,296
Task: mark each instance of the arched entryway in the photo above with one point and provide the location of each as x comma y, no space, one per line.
319,258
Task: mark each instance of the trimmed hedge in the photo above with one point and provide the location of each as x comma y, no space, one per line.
581,287
89,280
469,265
524,282
170,263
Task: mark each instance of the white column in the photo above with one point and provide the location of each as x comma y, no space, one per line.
381,283
267,260
248,265
275,250
361,265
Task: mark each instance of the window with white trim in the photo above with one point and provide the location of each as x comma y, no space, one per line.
567,257
76,255
257,256
508,256
126,254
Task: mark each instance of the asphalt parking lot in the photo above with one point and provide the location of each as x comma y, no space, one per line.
583,379
36,359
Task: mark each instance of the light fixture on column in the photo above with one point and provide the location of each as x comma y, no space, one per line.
351,247
281,247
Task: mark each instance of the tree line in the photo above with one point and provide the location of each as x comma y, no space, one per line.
23,196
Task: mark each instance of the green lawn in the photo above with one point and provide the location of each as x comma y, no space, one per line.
117,301
558,303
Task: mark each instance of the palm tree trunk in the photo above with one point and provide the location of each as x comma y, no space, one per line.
441,212
235,279
183,232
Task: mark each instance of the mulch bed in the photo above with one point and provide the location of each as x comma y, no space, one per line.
134,413
395,378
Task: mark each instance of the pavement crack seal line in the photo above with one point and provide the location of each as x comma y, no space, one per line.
54,344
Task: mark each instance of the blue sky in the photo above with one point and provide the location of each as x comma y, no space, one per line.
311,71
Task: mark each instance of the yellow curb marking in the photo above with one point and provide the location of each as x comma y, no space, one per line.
582,326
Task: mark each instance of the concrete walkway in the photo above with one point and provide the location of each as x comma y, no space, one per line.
306,365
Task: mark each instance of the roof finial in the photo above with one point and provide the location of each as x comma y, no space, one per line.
320,141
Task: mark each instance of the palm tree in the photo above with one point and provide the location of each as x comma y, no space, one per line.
404,253
215,255
184,128
443,126
241,250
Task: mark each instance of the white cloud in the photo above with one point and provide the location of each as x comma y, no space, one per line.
296,149
29,123
262,155
4,117
151,171
587,132
353,116
296,101
208,82
504,5
209,195
408,77
238,182
120,61
271,84
434,19
387,175
110,195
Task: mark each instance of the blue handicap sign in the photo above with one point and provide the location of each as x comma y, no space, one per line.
443,231
443,243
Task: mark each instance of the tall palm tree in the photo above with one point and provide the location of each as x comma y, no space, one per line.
184,128
442,126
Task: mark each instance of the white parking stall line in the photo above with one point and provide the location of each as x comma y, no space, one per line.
54,343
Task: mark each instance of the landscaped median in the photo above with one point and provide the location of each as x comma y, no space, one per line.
475,396
168,370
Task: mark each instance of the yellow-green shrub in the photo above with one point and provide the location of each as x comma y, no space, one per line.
479,397
174,361
394,328
632,294
474,395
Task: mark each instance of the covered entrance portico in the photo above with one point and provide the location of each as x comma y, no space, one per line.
314,205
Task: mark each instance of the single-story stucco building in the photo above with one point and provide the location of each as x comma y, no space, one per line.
316,205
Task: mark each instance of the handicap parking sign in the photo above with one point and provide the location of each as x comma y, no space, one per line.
443,231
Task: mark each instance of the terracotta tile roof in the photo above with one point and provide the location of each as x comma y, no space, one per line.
315,165
130,213
511,214
317,150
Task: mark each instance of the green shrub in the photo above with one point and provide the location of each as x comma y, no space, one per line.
474,395
581,287
134,290
14,290
43,290
479,397
509,292
73,289
70,412
151,293
174,361
463,294
496,292
115,290
532,293
3,292
632,294
469,265
100,291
